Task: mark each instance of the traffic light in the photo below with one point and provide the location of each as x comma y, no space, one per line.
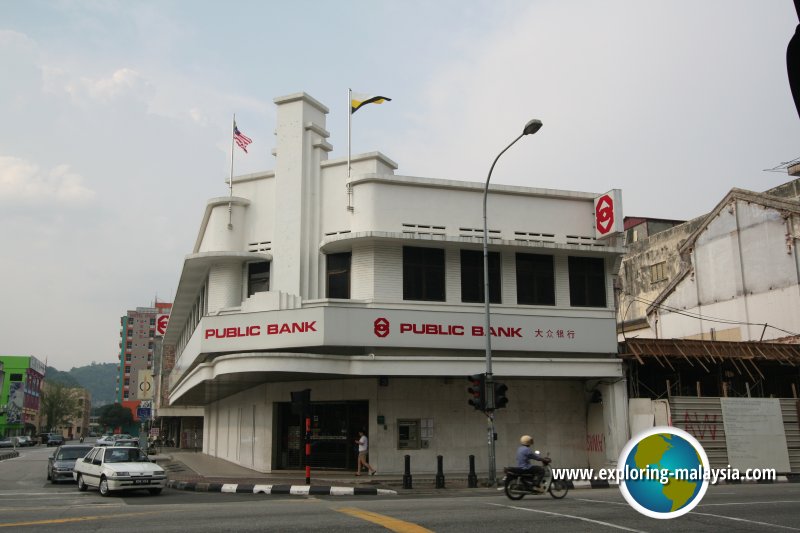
500,399
301,402
477,391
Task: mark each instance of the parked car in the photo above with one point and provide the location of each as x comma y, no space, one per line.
105,440
24,440
119,468
7,443
127,442
62,462
55,440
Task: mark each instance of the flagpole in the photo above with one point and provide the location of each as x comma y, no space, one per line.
349,140
230,181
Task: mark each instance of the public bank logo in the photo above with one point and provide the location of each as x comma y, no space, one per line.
381,327
664,472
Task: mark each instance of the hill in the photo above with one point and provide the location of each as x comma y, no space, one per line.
99,379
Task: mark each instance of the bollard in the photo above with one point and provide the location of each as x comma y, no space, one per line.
472,479
407,473
439,473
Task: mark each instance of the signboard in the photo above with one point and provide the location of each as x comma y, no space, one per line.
146,386
37,366
143,413
754,433
608,214
333,326
161,325
155,431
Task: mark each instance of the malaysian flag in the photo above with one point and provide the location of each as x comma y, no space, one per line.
241,139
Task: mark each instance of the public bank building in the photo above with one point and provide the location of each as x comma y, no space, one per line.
368,290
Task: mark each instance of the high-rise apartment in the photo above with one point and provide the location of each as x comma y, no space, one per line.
137,351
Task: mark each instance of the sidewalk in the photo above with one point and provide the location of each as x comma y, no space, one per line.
196,471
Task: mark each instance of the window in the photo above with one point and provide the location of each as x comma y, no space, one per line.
658,272
152,321
587,282
257,277
472,288
337,271
127,381
128,357
127,370
423,274
408,435
535,280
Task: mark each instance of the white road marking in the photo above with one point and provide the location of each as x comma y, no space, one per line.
607,524
694,512
743,520
748,503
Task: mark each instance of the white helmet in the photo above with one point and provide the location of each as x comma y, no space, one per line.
526,440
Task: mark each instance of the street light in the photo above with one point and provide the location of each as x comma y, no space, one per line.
530,128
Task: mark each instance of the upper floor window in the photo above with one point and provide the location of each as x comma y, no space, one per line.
472,288
535,280
587,282
423,274
257,277
337,272
658,272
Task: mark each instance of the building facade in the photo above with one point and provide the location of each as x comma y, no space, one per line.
709,314
137,355
20,394
367,290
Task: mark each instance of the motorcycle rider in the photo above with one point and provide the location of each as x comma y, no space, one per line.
525,455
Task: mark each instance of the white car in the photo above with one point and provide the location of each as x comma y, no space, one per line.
119,468
105,440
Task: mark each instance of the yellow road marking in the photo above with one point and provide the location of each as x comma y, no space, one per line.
76,519
388,522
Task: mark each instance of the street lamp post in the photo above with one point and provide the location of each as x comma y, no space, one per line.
530,128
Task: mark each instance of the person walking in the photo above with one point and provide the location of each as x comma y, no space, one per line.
363,449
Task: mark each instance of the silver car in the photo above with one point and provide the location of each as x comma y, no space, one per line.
62,462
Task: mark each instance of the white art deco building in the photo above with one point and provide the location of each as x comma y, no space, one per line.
371,296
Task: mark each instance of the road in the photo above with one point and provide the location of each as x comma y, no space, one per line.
30,503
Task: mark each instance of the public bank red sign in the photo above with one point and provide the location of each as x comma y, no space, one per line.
608,214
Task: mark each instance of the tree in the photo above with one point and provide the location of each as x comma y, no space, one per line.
58,405
115,415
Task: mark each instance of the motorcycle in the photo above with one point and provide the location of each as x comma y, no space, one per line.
519,482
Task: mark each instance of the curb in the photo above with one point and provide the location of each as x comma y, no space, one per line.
294,490
8,455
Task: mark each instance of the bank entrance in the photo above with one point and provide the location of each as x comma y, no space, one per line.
334,428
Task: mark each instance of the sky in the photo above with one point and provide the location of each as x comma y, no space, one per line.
115,121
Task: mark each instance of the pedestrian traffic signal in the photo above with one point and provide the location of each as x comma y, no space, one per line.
500,399
477,391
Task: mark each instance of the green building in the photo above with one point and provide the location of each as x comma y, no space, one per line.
20,394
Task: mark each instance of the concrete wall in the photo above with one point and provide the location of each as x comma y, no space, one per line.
553,412
744,270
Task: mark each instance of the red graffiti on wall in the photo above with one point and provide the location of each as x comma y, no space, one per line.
595,442
698,429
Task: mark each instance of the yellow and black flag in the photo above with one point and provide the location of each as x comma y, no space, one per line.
357,100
